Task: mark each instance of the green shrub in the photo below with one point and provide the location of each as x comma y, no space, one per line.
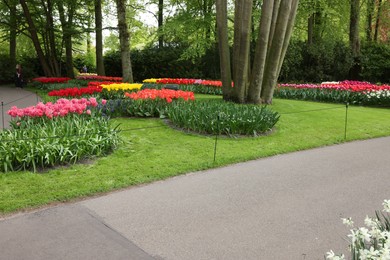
222,118
36,143
375,63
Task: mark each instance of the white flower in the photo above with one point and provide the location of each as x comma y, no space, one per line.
370,222
332,256
364,234
368,254
375,233
354,236
386,206
347,221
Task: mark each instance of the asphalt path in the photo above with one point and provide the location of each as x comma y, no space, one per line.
282,207
11,96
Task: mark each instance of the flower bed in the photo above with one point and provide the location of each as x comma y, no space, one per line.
75,92
153,102
166,94
47,80
99,78
354,92
54,134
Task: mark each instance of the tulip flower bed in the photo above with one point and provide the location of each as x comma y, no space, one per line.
153,102
212,87
47,80
117,90
354,92
222,118
98,78
52,134
75,92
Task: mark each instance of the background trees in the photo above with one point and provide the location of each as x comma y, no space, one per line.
179,38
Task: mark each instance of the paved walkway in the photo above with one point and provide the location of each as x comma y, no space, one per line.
12,96
283,207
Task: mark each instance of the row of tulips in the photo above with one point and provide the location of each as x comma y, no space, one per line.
51,80
353,92
75,92
99,78
166,94
354,86
179,81
60,108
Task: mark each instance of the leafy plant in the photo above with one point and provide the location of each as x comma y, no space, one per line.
222,118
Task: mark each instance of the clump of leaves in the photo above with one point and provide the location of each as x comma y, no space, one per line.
222,118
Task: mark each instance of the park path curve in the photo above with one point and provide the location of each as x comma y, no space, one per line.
282,207
11,96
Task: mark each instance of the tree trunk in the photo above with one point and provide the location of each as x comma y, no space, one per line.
275,52
124,39
242,25
160,23
34,37
12,34
260,52
378,15
99,38
67,36
354,40
224,51
370,13
51,37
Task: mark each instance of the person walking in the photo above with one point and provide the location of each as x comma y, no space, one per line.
19,77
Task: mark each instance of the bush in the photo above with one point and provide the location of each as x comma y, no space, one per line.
375,61
222,118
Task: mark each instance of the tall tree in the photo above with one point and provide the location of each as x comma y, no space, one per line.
99,38
160,23
124,39
66,19
275,29
354,39
34,37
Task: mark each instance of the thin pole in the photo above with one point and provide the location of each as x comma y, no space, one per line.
346,121
2,113
216,139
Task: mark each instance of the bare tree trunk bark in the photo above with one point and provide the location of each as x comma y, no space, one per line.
224,51
242,25
370,13
275,52
124,39
260,53
12,34
378,20
67,36
354,28
34,37
51,37
99,38
160,23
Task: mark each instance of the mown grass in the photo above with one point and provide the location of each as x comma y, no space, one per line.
153,151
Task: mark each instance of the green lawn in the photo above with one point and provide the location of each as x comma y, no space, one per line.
153,151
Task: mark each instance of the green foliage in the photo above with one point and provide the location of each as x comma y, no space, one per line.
375,63
222,118
166,62
325,61
37,143
148,153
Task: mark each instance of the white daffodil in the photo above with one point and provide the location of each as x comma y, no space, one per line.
369,254
332,256
364,234
347,221
369,222
386,206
